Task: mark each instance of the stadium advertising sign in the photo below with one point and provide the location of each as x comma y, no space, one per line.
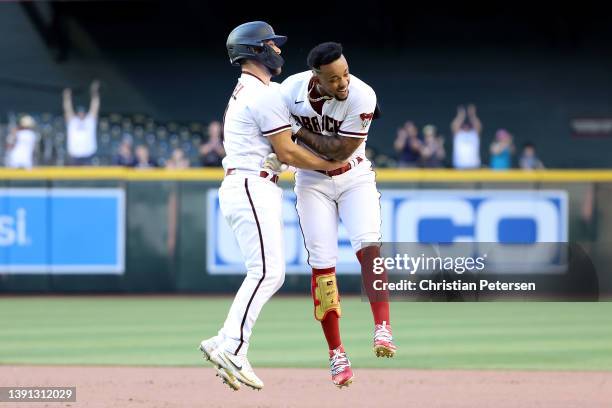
591,127
417,216
62,231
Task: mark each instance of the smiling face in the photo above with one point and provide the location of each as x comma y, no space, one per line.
334,78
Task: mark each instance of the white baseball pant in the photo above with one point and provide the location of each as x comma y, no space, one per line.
322,201
252,207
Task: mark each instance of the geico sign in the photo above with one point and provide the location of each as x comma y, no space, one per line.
480,216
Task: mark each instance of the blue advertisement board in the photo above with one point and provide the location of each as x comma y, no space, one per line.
425,216
62,231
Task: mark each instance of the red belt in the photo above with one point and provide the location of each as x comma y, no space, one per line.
270,176
339,170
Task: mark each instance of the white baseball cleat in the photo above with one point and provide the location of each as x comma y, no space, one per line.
207,347
237,367
227,379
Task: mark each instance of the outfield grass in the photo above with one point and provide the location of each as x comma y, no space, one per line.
166,331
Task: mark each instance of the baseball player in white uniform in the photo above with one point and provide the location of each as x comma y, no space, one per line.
333,111
256,122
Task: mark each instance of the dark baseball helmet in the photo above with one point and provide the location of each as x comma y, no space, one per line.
247,41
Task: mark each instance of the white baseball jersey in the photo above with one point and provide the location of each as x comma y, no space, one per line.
322,200
350,118
255,111
252,205
82,136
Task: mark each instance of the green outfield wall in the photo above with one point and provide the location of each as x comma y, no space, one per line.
166,223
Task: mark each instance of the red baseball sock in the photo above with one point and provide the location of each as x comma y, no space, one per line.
331,329
331,323
379,306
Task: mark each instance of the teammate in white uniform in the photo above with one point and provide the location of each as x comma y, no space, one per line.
333,111
256,122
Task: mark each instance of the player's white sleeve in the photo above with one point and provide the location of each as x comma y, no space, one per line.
359,116
270,112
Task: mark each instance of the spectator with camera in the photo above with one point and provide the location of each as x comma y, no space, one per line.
502,150
432,149
408,146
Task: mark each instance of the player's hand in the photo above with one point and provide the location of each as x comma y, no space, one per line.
272,162
67,93
471,110
461,110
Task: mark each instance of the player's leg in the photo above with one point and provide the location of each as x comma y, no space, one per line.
359,209
318,216
253,209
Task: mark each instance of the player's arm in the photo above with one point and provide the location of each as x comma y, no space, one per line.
67,104
336,147
94,103
353,130
270,112
297,156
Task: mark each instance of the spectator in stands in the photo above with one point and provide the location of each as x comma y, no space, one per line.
124,157
466,138
432,149
529,159
81,127
408,145
502,150
143,159
21,144
177,160
212,152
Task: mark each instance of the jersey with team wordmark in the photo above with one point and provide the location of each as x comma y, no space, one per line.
349,118
254,112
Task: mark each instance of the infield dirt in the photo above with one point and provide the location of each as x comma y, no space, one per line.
198,387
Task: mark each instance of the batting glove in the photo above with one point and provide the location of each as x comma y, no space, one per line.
272,162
